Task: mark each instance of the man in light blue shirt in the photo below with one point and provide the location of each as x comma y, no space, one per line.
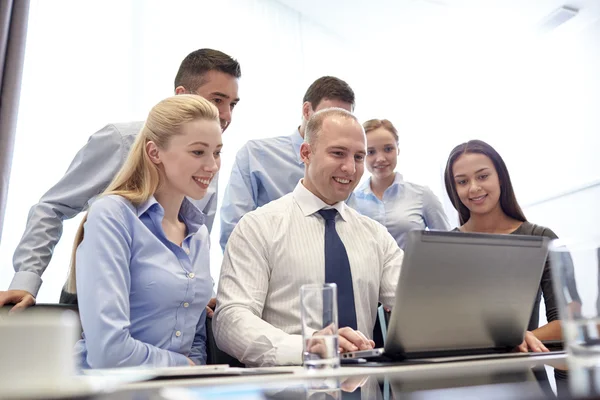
210,73
267,169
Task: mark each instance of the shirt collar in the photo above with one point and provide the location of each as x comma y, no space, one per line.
398,180
193,218
297,141
309,203
147,205
365,187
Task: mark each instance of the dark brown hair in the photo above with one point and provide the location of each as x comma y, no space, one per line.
508,201
329,87
373,124
197,63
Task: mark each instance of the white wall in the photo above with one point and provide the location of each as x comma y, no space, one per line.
535,98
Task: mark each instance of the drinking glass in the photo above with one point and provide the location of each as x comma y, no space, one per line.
320,326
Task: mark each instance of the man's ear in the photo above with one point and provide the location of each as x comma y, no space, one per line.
180,90
153,153
307,110
305,153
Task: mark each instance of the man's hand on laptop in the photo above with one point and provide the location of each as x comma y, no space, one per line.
22,299
531,343
349,340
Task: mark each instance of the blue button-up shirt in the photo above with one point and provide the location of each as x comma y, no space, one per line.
264,170
405,206
141,297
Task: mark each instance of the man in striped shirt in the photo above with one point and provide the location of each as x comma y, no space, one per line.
277,248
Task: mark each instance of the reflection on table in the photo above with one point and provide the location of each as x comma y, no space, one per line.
475,380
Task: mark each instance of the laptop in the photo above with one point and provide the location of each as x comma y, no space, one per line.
462,294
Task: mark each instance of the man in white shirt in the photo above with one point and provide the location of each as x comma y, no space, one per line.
277,248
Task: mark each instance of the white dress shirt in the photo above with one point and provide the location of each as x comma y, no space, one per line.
276,249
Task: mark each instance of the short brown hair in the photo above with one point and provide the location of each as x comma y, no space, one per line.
197,63
329,87
373,124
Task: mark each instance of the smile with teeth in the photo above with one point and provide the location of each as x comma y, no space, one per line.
204,181
478,199
342,181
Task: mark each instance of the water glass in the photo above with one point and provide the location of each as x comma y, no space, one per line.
318,304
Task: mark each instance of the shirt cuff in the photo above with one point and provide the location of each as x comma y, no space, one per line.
289,351
26,280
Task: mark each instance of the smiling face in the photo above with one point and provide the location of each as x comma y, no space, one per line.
335,161
190,160
477,183
221,89
382,153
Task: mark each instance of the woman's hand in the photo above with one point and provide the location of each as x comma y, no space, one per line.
531,343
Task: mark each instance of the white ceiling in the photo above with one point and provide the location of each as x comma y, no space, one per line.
381,20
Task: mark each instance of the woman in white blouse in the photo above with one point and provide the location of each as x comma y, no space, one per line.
386,197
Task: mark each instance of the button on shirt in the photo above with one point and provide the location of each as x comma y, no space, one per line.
90,172
137,302
276,249
405,206
264,170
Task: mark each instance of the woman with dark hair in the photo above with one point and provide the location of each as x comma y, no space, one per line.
479,186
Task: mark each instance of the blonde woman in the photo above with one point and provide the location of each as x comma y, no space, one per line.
386,197
141,256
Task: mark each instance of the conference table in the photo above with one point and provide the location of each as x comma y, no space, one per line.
524,377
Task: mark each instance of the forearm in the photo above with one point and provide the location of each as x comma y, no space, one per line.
254,341
34,252
550,331
89,173
118,349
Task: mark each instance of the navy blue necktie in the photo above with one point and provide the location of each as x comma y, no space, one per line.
337,270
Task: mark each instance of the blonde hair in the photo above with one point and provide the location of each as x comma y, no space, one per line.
373,124
138,178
